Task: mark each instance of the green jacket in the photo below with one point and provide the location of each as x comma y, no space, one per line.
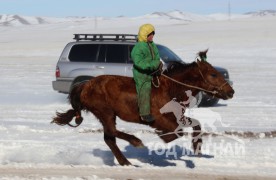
145,61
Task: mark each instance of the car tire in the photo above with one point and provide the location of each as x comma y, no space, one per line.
79,80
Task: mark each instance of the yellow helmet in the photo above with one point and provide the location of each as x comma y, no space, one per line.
144,31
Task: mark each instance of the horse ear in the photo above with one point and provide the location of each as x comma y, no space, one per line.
203,55
197,60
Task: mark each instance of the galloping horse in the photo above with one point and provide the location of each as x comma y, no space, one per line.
111,96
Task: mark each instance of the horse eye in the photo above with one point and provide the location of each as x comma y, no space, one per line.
214,75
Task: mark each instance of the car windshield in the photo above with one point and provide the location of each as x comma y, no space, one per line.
167,55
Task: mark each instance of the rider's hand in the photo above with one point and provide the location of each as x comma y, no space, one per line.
160,69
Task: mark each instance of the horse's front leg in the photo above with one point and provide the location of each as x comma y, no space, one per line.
111,142
197,132
196,136
170,132
179,131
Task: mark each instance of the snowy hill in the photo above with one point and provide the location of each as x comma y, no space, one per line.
15,19
178,15
262,13
19,20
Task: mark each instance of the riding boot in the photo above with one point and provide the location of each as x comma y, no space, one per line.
148,118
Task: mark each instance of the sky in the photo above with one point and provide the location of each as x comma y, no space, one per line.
130,8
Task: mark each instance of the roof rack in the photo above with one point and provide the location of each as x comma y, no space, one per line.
106,37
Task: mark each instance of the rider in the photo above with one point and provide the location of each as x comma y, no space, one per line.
190,103
146,60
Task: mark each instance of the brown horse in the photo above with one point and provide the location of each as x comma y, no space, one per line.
111,96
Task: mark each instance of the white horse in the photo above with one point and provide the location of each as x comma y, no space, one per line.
178,110
188,117
209,119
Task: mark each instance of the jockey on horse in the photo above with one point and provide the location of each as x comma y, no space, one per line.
146,60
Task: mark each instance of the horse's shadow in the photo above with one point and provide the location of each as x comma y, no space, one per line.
158,157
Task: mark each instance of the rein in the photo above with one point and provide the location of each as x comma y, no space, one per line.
191,86
188,85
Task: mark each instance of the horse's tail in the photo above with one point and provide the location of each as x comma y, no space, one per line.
65,118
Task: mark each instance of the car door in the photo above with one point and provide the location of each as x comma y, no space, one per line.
129,65
112,59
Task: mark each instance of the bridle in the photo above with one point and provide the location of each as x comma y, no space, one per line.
210,84
195,87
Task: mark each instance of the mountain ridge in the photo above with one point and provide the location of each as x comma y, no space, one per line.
19,20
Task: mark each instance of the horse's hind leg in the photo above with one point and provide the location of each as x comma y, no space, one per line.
111,142
110,139
110,133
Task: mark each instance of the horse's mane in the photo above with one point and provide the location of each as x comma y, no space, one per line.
175,67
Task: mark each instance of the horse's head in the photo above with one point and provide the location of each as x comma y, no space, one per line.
213,81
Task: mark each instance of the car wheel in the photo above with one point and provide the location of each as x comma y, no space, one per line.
79,80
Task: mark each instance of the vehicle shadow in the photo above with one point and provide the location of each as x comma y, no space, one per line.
216,105
158,157
220,105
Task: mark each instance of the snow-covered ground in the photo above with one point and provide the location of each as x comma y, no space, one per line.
32,148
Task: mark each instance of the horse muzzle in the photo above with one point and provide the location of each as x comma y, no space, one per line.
227,95
230,94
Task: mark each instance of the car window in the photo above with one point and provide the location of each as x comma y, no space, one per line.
84,53
116,53
129,60
102,53
167,55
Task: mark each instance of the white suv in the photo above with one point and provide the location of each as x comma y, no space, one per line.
97,54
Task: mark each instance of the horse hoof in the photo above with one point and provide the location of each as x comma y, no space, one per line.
137,144
198,154
141,146
126,163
